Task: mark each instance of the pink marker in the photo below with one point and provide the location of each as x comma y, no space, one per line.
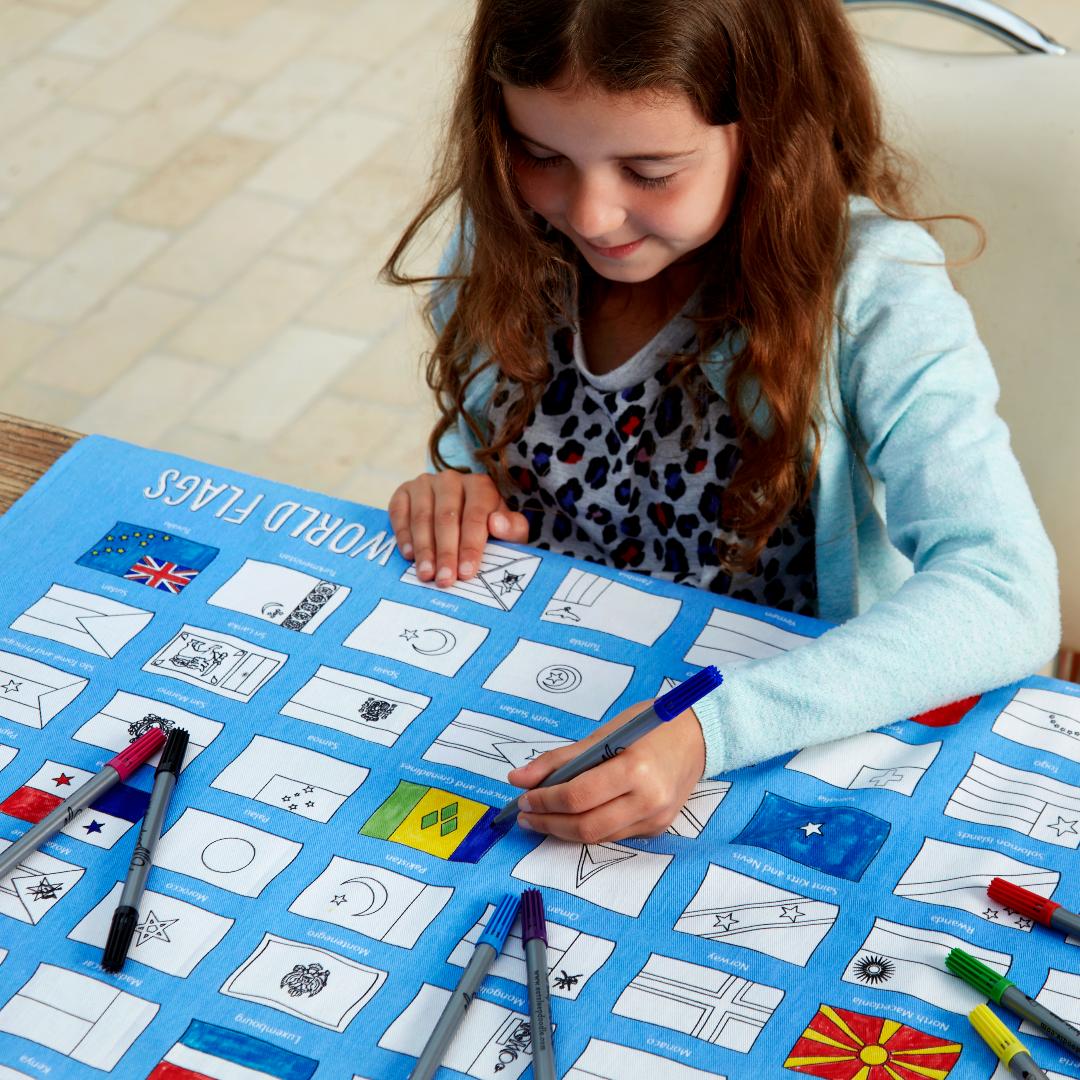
117,769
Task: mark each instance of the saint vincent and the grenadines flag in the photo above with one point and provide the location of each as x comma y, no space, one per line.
102,823
148,556
439,822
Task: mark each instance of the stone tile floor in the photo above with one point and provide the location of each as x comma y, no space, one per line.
195,196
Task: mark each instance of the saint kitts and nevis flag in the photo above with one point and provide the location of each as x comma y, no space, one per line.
149,556
208,1052
102,823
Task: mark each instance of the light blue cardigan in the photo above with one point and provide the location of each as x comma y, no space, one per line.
944,581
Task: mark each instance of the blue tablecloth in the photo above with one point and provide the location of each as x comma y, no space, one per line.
327,861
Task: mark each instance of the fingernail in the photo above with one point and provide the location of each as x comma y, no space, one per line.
466,569
499,522
444,574
406,550
524,823
424,568
524,804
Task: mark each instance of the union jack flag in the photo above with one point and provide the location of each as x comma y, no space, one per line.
161,575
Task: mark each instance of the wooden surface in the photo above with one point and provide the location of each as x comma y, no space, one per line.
27,449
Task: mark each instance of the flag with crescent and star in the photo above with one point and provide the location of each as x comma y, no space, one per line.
838,840
148,556
102,823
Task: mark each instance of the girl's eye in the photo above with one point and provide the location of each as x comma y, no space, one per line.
635,178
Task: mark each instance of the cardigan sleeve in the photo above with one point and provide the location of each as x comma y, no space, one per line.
981,608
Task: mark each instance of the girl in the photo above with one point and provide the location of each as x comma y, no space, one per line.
689,326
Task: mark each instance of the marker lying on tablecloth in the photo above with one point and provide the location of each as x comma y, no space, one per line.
1011,1052
487,948
664,708
1006,993
126,916
1033,906
117,769
534,937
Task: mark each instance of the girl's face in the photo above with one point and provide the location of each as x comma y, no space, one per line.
636,181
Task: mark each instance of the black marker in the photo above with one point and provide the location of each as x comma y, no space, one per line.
126,916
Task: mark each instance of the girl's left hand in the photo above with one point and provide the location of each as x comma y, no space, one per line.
637,793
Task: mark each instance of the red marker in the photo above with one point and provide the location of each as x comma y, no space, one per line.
117,769
1034,906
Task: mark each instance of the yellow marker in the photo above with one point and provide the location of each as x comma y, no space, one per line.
1012,1053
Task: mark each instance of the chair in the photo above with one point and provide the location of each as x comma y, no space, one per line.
998,136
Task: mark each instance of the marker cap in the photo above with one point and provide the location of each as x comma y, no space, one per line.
1022,900
121,931
687,693
975,973
172,757
995,1034
131,757
533,924
498,926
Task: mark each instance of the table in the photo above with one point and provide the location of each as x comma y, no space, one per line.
27,449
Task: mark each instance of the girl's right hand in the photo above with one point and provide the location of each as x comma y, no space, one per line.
442,521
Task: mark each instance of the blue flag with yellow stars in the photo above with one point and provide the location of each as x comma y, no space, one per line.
148,556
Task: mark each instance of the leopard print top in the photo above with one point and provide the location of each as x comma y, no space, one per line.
611,470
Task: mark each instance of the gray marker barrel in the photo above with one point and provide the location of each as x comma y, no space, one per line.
1067,922
487,948
1024,1068
1019,1004
63,815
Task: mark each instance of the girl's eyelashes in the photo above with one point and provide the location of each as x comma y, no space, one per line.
635,178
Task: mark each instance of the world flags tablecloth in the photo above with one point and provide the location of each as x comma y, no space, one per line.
327,862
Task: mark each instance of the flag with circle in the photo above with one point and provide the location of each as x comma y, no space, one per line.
148,556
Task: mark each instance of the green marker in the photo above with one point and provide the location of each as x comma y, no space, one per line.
1004,992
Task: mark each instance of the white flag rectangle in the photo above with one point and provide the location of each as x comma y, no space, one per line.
614,876
739,910
286,597
489,745
911,960
1047,719
32,693
223,852
373,901
129,716
491,1043
1032,804
560,678
425,639
956,876
572,957
602,1060
83,620
291,778
502,578
305,981
709,1004
871,760
36,885
591,602
171,935
728,639
356,705
85,1019
219,663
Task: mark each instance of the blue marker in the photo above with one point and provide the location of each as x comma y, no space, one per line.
487,948
664,708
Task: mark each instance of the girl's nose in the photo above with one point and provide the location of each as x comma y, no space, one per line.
594,212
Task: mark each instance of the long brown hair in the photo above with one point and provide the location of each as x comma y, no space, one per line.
791,73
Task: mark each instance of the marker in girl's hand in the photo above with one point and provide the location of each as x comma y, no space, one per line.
663,709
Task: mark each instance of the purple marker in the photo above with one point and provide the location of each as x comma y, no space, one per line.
534,935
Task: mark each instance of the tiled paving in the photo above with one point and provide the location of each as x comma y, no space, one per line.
195,196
